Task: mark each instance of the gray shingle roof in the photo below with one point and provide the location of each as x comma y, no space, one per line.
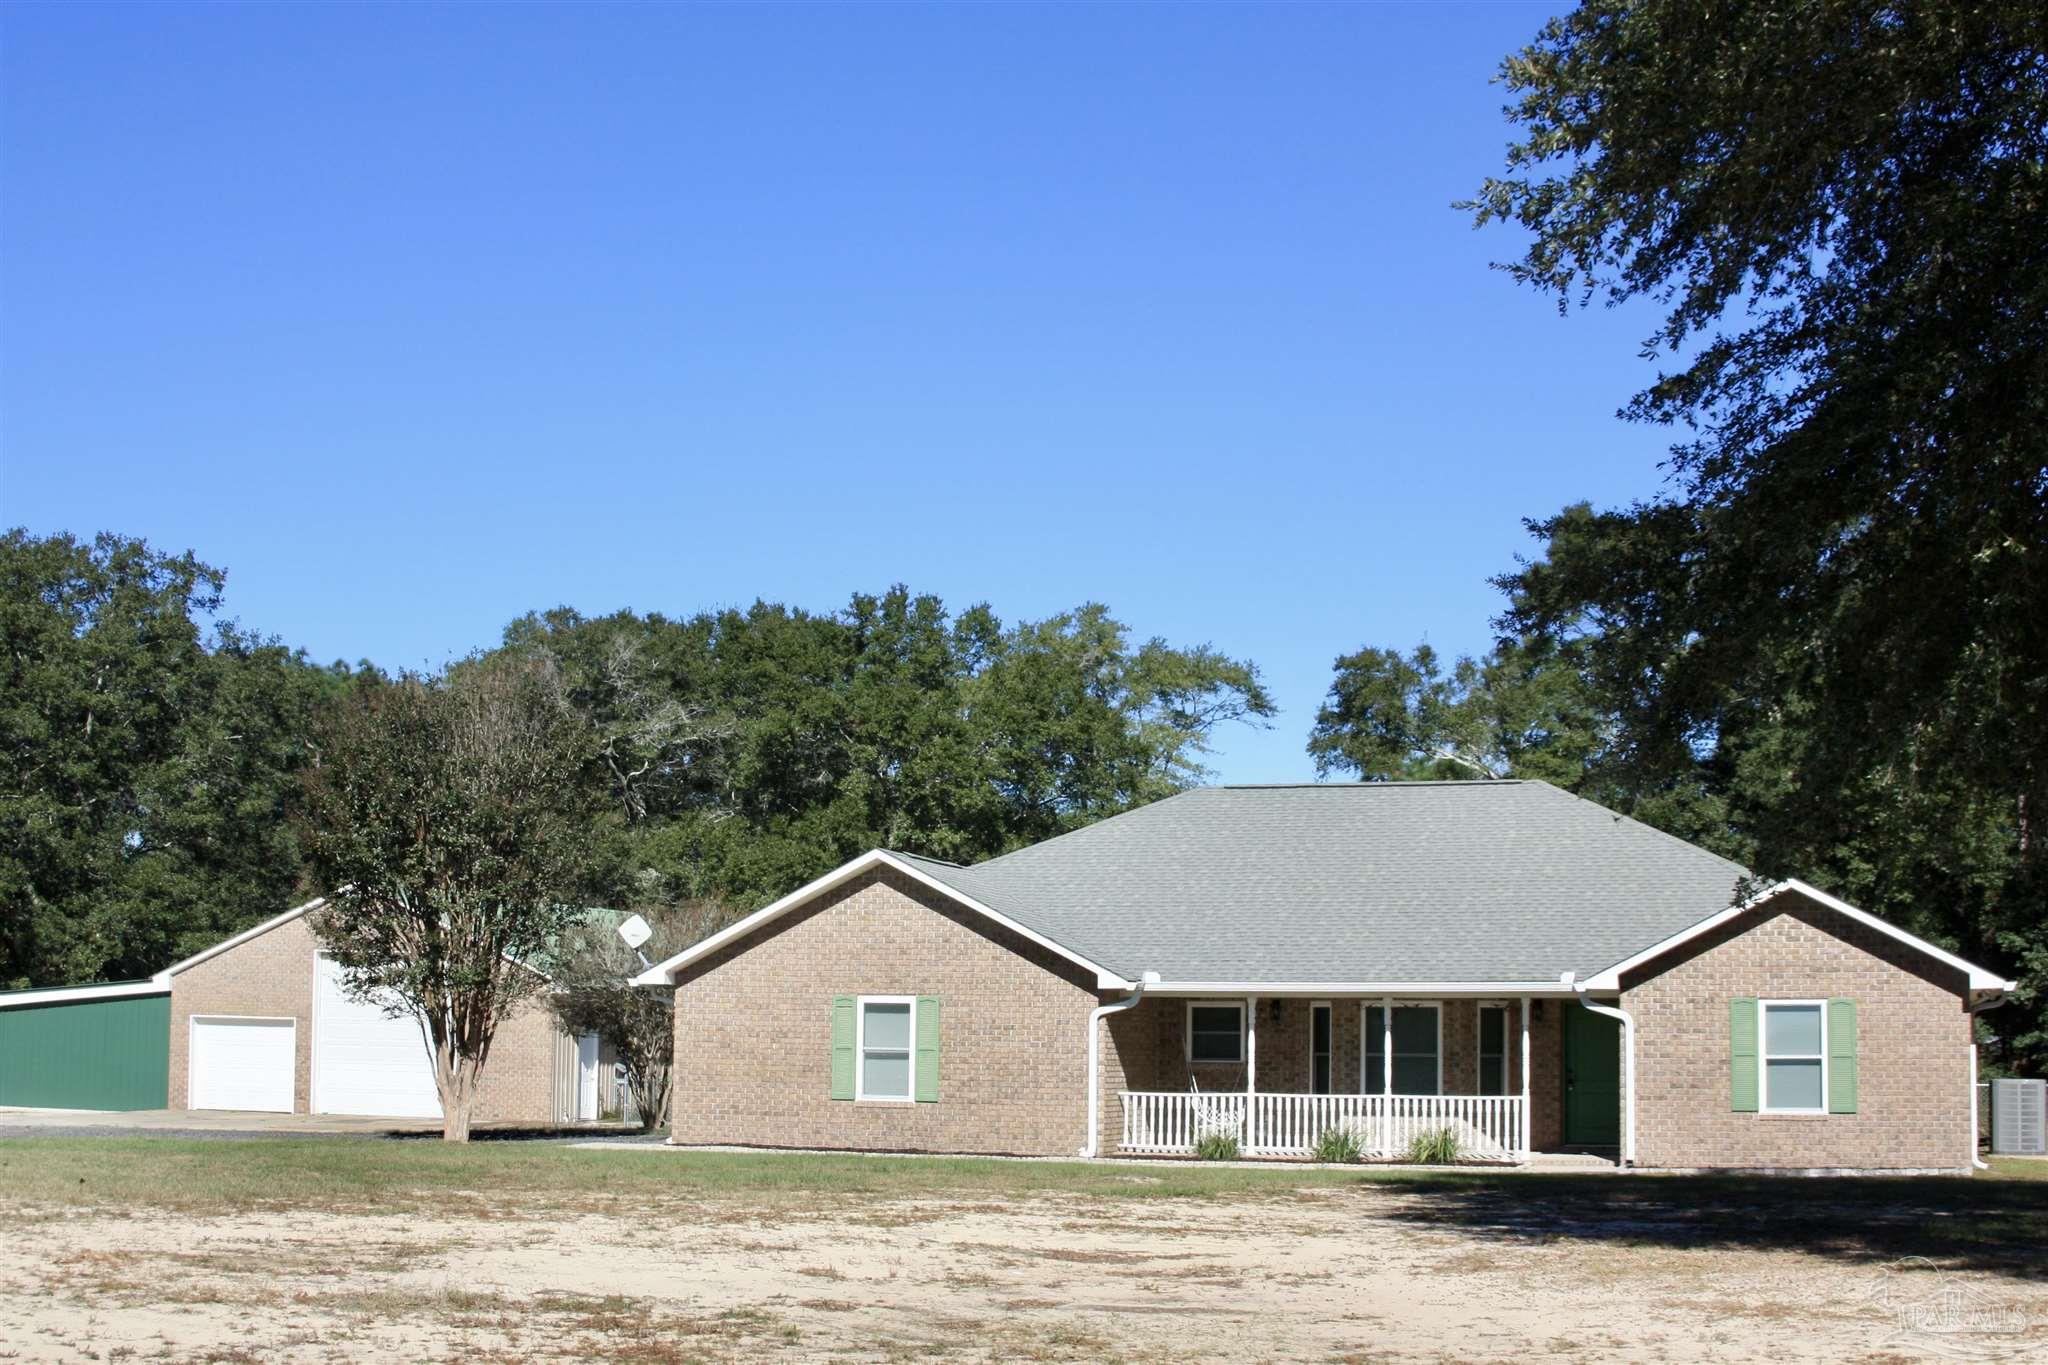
1373,882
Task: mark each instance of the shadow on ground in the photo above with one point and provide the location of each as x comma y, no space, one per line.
1987,1224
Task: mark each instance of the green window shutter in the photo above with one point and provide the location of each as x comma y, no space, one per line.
1742,1054
1841,1056
927,1049
842,1047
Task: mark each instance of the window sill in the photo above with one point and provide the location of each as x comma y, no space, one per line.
882,1099
1791,1116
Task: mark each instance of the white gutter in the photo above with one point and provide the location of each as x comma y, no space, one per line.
1095,1017
1976,1135
1628,1066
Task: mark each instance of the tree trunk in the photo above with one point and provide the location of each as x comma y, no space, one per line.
455,1077
651,1092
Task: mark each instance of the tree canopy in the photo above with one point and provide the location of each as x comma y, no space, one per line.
1827,645
748,751
147,750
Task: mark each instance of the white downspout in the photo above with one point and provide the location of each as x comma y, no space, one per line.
1628,1066
1095,1055
1977,1162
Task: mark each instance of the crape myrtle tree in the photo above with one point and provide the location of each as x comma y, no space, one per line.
1835,621
593,969
452,819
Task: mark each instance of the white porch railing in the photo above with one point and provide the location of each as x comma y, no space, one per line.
1488,1127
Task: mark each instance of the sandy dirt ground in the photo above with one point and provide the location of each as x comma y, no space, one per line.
1311,1275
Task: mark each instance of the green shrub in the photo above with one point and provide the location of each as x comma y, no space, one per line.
1217,1147
1338,1144
1437,1147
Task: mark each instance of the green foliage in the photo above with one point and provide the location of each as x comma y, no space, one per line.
1523,711
1217,1147
452,819
591,967
1434,1147
145,760
750,751
1338,1144
1824,649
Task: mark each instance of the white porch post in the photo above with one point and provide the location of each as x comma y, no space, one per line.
1528,1115
1251,1073
1387,1045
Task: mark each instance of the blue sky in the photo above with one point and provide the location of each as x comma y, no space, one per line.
417,318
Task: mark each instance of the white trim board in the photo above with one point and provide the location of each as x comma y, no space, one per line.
61,995
1324,990
1980,979
663,973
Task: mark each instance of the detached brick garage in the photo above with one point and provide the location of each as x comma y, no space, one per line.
259,1023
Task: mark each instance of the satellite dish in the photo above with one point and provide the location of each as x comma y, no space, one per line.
635,932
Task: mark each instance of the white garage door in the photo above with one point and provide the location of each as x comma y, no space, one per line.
243,1063
365,1062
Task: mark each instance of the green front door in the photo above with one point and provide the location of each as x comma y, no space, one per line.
1592,1078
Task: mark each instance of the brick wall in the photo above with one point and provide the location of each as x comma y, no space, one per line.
1912,1041
754,1030
272,975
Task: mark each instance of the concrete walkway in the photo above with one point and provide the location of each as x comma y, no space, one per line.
237,1124
1542,1163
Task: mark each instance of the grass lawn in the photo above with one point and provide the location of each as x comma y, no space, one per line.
1996,1218
261,1249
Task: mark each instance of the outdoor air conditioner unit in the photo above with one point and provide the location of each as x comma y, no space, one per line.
2019,1118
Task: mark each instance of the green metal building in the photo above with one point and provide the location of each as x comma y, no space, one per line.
87,1047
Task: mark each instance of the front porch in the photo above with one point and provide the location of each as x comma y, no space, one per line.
1276,1073
1163,1123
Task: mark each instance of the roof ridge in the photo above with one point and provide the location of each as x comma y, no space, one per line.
924,858
1091,825
1370,786
1665,834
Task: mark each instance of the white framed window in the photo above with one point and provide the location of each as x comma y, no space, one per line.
1794,1055
883,1052
1418,1049
1216,1031
1493,1049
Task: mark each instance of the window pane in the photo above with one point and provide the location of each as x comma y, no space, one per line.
1215,1033
886,1075
1793,1029
887,1026
1414,1030
1792,1085
1493,1031
1414,1075
1320,1030
1373,1075
1320,1082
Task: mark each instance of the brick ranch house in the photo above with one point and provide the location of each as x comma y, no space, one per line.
1504,959
260,1023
